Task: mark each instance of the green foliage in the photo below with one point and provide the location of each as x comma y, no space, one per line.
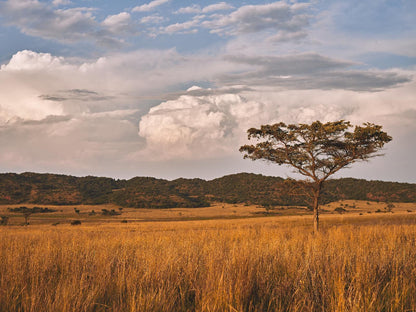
315,150
340,210
94,190
111,212
239,188
145,192
23,209
4,220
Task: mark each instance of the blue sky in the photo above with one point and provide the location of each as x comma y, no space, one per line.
168,88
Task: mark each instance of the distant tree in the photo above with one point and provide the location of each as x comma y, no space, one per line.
316,150
389,207
26,215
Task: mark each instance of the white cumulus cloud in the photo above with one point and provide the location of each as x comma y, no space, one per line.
119,23
195,126
149,6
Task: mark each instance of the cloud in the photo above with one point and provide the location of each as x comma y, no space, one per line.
119,23
50,119
75,144
277,16
291,64
37,19
75,94
28,61
205,123
195,126
152,19
309,71
213,124
221,6
185,27
149,6
68,26
35,85
286,21
20,83
61,2
288,36
195,8
106,115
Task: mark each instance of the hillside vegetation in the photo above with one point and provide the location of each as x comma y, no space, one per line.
146,192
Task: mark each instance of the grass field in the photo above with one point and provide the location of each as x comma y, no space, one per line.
240,261
65,214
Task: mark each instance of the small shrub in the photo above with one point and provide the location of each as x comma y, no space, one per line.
340,210
111,212
76,222
123,221
4,220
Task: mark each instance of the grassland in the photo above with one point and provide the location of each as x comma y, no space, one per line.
66,214
241,260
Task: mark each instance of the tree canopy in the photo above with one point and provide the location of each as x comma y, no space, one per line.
316,150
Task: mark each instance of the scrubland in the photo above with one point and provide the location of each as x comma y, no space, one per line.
356,263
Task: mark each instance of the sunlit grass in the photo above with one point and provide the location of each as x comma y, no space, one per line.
263,264
64,214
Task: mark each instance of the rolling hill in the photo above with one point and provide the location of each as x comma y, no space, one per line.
147,192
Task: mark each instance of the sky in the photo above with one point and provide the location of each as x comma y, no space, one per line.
168,88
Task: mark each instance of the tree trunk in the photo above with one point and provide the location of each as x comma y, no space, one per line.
316,196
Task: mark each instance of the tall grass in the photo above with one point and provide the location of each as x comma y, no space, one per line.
249,265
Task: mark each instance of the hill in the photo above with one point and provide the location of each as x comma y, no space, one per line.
146,192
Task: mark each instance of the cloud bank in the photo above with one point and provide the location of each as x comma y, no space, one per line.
114,96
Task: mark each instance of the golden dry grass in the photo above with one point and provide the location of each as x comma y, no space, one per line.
357,263
65,214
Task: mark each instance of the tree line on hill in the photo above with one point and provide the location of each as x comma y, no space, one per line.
146,192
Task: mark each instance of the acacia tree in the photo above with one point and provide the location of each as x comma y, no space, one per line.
316,150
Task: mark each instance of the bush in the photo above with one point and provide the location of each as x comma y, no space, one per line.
76,222
340,210
4,220
111,212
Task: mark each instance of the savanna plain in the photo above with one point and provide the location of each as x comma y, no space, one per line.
220,258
